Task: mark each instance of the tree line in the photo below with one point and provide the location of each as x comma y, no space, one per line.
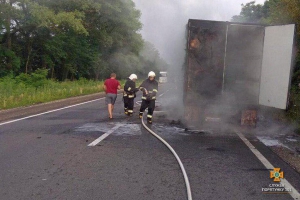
72,39
274,12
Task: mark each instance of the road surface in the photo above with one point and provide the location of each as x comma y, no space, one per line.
49,157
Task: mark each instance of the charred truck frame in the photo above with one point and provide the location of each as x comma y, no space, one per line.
235,67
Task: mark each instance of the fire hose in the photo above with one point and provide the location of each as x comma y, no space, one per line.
186,179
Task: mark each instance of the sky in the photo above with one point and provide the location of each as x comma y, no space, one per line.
164,21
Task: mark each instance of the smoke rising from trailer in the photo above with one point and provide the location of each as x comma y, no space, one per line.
164,25
164,21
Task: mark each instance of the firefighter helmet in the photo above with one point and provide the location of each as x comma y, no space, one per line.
133,76
152,74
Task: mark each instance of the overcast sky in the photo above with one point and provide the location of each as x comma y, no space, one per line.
164,21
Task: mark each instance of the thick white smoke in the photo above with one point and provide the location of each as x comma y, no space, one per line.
164,21
164,25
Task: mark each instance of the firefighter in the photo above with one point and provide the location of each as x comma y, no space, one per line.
149,88
129,94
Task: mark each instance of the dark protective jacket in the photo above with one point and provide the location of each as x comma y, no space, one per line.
151,87
130,89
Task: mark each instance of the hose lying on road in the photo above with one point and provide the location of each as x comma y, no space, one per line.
186,179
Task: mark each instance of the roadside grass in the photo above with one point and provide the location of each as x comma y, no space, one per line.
26,90
14,94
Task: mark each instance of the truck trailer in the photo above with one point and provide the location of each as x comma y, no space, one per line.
234,68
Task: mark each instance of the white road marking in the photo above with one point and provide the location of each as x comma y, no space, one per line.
294,193
128,130
125,130
138,102
51,111
159,111
105,135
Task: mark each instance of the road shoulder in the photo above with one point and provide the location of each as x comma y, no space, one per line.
20,112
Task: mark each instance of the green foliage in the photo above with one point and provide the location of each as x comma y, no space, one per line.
251,13
75,40
274,12
23,79
9,62
36,79
257,13
293,113
43,16
71,38
22,91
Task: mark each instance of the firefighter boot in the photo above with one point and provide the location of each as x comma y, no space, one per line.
141,115
126,111
130,112
149,120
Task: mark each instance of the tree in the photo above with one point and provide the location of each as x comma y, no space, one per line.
8,14
73,38
112,27
288,12
252,13
274,12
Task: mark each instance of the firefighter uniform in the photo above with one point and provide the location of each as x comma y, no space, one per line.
129,94
149,89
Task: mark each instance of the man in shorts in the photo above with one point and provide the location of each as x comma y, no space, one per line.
111,87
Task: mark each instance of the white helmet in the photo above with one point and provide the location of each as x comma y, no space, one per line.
151,74
133,76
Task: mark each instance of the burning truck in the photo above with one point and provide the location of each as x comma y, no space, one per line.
232,69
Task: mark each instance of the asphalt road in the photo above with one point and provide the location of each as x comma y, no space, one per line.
48,157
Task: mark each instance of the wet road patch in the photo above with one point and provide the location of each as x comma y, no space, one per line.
124,129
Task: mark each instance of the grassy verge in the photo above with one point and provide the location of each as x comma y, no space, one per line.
25,90
15,94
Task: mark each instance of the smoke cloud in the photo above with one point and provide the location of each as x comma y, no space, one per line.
164,25
164,21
